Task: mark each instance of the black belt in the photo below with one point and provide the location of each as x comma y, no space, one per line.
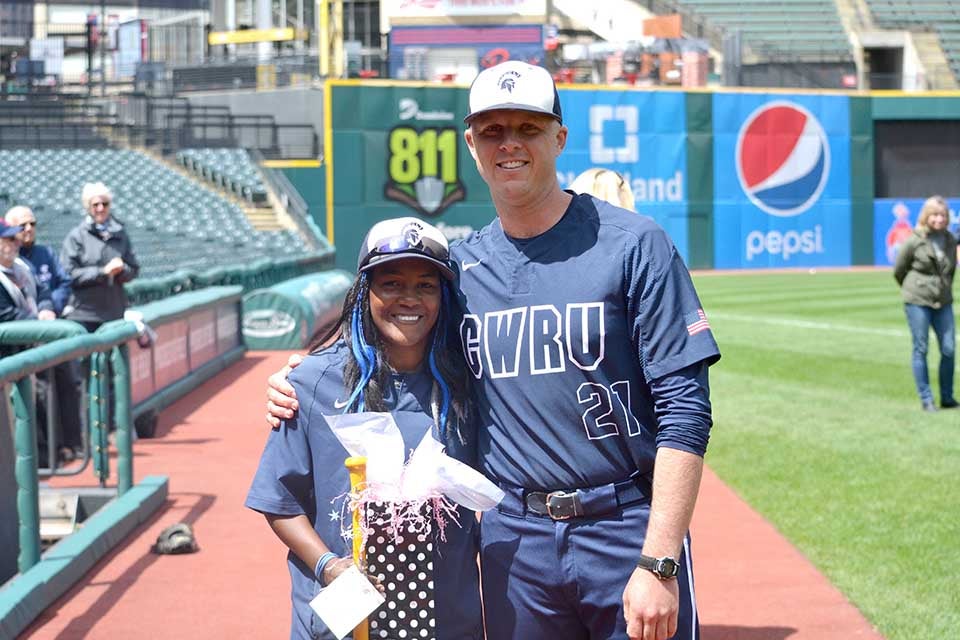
576,503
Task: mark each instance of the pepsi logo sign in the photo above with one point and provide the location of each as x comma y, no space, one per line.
782,158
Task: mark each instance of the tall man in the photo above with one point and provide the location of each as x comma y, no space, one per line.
590,349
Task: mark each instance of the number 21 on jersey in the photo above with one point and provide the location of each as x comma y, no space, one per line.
607,410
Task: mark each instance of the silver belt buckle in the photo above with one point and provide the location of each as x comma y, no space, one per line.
562,495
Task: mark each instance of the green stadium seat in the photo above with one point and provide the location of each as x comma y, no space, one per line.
807,30
173,221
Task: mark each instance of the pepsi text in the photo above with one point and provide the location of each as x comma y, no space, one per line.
785,244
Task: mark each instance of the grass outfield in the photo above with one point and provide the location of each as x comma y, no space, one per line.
818,427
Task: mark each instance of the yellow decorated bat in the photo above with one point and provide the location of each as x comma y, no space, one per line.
357,466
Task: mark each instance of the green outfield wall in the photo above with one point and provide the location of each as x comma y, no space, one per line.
739,179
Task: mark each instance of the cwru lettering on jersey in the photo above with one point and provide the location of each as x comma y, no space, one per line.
563,333
534,340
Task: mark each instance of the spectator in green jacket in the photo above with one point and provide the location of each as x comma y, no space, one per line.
924,270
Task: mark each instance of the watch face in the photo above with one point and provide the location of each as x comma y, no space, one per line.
667,568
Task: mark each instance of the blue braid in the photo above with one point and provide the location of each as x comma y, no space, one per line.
365,355
440,342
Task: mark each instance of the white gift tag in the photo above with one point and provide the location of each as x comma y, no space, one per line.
346,601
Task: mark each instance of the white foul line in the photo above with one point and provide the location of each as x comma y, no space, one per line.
808,324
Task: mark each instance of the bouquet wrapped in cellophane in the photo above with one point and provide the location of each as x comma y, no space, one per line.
403,510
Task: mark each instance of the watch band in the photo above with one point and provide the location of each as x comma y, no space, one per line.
664,568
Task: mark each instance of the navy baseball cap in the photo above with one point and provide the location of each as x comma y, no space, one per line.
514,85
6,231
400,238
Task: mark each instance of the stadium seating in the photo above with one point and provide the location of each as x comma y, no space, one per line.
940,16
784,30
230,169
174,222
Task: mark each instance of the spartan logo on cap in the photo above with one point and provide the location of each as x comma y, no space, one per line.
411,233
508,81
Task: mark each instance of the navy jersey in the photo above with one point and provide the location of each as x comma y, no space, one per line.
566,331
302,472
48,270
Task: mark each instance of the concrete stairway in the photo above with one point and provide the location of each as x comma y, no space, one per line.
269,217
934,62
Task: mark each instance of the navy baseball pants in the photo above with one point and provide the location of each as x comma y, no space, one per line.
545,578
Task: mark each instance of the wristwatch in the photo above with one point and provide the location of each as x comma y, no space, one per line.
664,568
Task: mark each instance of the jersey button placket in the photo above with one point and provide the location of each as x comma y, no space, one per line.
520,280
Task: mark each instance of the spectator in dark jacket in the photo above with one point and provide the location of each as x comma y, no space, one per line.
22,297
41,258
99,259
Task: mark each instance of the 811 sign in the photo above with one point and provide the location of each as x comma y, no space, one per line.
422,168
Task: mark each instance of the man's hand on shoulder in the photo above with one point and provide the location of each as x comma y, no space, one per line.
651,606
281,397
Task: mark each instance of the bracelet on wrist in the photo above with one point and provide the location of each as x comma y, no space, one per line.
322,563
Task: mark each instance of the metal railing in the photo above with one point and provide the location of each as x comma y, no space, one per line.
107,350
170,123
52,121
174,123
292,201
23,334
110,397
53,136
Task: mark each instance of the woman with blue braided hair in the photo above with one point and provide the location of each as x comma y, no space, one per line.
392,351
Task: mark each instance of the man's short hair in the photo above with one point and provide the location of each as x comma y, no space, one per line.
14,215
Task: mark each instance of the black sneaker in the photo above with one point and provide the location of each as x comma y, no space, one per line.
949,404
929,406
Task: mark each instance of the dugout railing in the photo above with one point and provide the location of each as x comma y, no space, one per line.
198,335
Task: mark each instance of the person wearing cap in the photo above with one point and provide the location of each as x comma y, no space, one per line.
50,277
599,436
391,351
98,257
590,350
41,258
21,296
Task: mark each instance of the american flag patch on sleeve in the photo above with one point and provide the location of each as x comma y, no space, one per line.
696,322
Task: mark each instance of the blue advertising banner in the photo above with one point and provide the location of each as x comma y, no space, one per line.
893,222
640,134
781,180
